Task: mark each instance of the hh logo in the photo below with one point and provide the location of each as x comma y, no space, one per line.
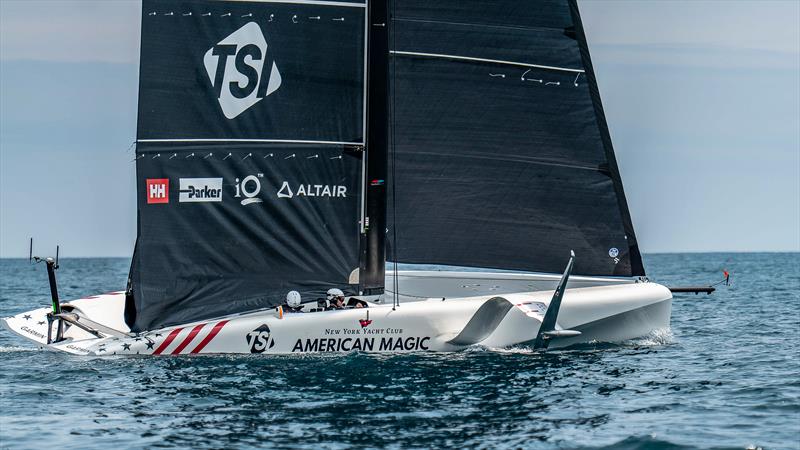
259,339
157,190
240,71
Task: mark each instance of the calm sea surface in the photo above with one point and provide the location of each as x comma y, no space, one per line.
726,376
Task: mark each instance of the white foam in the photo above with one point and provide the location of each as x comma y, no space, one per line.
658,337
13,348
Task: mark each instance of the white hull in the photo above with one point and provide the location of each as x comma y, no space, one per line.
603,310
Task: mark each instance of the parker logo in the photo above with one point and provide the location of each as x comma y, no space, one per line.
311,190
157,190
249,187
259,339
240,71
200,190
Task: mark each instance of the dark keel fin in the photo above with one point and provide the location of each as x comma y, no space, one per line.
548,330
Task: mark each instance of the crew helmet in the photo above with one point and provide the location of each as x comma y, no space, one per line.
293,299
334,292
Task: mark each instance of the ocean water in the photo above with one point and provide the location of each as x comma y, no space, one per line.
727,375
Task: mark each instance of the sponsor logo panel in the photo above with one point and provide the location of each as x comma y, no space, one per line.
249,187
157,190
363,339
260,340
194,190
247,190
311,190
240,71
366,344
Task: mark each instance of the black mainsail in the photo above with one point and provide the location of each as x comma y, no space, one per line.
249,153
502,156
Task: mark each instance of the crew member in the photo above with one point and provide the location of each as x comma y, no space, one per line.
356,303
293,301
335,299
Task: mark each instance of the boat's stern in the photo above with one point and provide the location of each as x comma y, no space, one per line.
31,325
105,311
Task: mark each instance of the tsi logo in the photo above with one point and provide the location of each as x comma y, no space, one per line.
200,190
157,190
250,187
239,70
311,190
259,339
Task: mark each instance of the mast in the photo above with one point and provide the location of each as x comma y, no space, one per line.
373,242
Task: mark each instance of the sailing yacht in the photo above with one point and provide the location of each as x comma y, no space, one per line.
297,146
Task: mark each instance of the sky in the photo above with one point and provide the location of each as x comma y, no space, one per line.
702,100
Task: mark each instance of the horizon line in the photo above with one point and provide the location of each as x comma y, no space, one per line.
644,253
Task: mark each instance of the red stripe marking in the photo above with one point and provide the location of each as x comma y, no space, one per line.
171,337
188,339
210,336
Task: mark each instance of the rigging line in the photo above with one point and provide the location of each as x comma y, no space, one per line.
395,282
485,60
513,157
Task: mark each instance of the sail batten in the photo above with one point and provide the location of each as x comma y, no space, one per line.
492,61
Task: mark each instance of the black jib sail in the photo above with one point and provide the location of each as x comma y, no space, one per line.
249,156
501,153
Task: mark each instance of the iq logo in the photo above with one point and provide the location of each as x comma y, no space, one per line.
157,190
240,71
250,187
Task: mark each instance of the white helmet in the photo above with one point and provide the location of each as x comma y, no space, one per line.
333,293
293,299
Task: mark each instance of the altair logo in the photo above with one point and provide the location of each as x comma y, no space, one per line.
239,70
311,190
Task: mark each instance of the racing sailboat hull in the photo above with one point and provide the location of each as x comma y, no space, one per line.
602,313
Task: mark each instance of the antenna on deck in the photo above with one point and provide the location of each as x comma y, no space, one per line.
37,259
52,265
